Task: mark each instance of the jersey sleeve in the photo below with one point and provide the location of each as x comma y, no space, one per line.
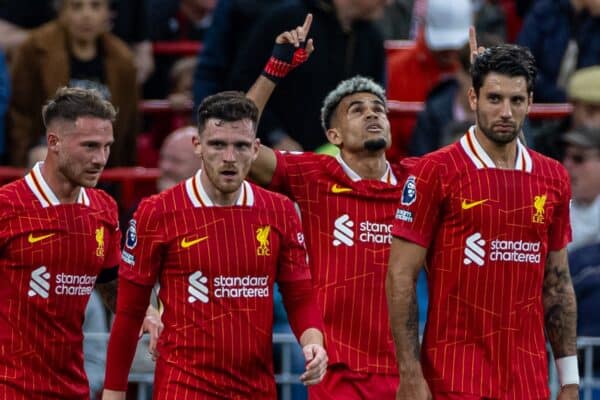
294,277
113,252
559,233
419,209
293,170
142,253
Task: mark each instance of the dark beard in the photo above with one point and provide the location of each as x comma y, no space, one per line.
374,145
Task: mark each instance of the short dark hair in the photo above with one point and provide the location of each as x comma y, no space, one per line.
228,106
505,59
71,103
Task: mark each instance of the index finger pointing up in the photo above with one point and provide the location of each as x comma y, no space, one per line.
307,23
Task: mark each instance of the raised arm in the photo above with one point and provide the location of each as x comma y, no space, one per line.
406,259
289,52
560,314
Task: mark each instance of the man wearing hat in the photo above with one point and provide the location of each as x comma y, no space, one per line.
583,92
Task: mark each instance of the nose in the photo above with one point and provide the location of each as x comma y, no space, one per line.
506,109
229,154
101,156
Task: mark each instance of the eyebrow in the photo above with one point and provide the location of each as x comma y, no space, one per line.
361,102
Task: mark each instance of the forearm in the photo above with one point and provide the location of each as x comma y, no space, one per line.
260,92
560,308
131,308
303,313
404,317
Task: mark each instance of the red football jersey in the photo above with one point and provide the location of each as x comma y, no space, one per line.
216,267
347,222
489,232
50,256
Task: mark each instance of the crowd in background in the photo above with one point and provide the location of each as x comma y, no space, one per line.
108,45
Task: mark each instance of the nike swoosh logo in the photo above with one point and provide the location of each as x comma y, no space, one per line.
338,189
34,239
189,243
466,205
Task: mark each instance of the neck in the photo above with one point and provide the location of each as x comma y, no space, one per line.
83,50
65,190
369,166
218,197
503,155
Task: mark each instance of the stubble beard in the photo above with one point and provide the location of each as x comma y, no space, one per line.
375,145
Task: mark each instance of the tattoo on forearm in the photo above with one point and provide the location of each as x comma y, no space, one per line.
108,293
560,310
412,325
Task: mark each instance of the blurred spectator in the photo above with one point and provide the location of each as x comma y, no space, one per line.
490,18
563,35
174,20
347,43
75,50
413,73
36,154
4,98
395,23
181,78
447,106
177,161
129,23
583,92
582,161
179,19
232,22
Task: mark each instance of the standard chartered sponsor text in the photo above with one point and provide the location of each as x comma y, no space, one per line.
516,251
74,285
241,286
372,232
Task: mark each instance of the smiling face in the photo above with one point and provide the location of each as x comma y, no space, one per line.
81,148
360,123
227,150
501,106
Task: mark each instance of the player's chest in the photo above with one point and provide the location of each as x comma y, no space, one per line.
504,199
344,216
57,239
228,243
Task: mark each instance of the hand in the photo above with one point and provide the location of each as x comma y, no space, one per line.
316,364
144,60
291,49
153,326
298,36
113,395
415,388
568,392
475,51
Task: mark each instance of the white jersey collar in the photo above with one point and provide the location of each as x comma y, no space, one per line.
42,191
199,197
481,159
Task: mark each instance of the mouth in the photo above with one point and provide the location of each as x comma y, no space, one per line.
228,173
374,128
505,126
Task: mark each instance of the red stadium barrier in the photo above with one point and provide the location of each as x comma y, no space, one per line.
177,48
396,109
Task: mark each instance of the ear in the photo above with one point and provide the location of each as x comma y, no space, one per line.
529,102
197,145
255,149
334,136
472,98
53,141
